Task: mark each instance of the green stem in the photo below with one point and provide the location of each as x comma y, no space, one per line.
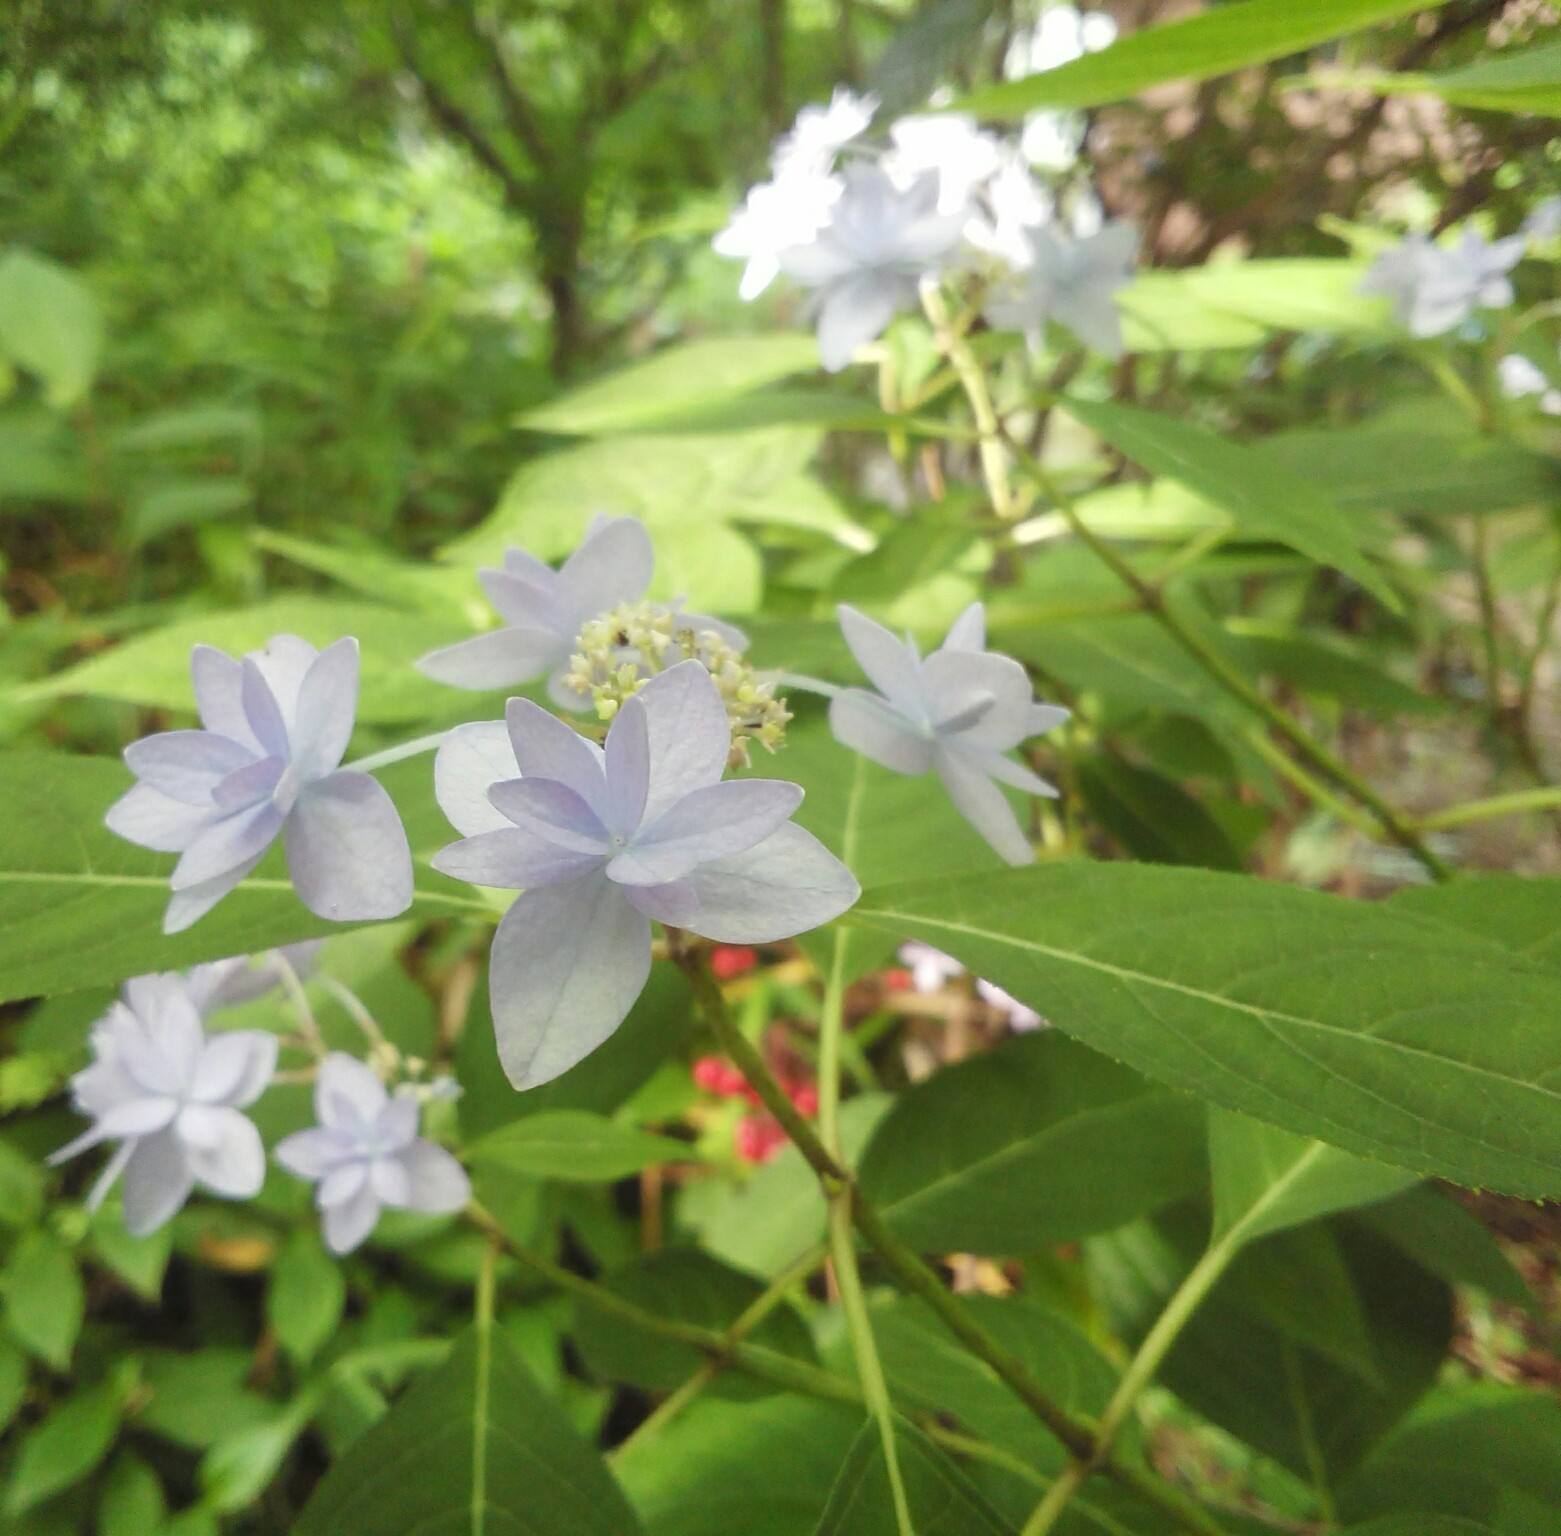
396,754
484,1322
1152,600
1545,799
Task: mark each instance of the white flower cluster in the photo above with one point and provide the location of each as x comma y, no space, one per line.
864,223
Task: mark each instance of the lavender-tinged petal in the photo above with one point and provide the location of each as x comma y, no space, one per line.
111,1171
688,734
628,768
512,859
436,1183
347,1225
866,723
396,1126
552,811
343,1183
313,1153
546,748
564,695
233,1163
161,1001
1046,717
502,658
93,1136
1091,313
98,1088
613,565
284,662
531,603
676,903
968,631
983,805
790,883
235,1068
157,1182
348,1095
566,966
257,780
389,1181
518,562
470,760
958,685
226,845
327,707
189,906
889,664
262,710
347,852
709,823
854,311
219,682
185,765
1016,775
150,819
137,1117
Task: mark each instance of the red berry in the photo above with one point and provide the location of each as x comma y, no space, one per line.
710,1074
806,1100
727,961
897,981
757,1139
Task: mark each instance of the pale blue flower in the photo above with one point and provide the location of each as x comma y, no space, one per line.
602,840
170,1095
267,763
1435,288
954,713
244,978
365,1154
1071,282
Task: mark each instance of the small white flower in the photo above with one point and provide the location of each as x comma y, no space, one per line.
955,713
170,1096
867,262
1011,205
819,133
228,983
775,216
602,840
932,970
1435,288
365,1154
276,724
1521,377
1071,282
949,145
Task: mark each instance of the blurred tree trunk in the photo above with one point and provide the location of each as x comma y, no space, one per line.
772,78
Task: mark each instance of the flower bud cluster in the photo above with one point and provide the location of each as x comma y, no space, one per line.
619,652
757,1136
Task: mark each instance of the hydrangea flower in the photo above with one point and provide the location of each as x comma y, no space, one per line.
1435,288
1007,210
951,147
774,216
820,133
931,970
170,1096
276,725
867,262
602,840
955,713
1071,282
365,1154
244,978
1544,223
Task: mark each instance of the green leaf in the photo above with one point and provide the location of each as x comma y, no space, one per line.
199,1399
1293,293
1262,503
1521,79
49,324
306,1296
943,1502
1152,816
44,1300
190,426
1162,312
1267,1179
83,908
1421,1525
242,1463
141,1262
21,1188
828,410
132,1503
168,505
577,1146
487,1453
689,1286
762,1469
1199,47
1036,1142
1477,1451
63,1449
1446,1241
13,1381
1333,668
678,378
1518,915
1392,1038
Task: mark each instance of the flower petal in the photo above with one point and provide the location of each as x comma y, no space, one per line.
531,602
136,1117
186,765
436,1182
1047,717
188,906
349,1223
348,1095
566,966
854,311
347,852
546,748
552,811
968,631
262,710
512,859
628,768
234,1068
227,844
890,665
313,1153
219,682
983,804
327,707
1016,775
871,725
346,1181
687,733
157,1182
709,823
676,903
502,658
228,1158
150,819
790,883
613,565
953,681
470,760
389,1181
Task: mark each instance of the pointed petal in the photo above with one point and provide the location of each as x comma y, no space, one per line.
688,734
868,724
1016,775
566,966
552,811
983,805
347,852
262,710
676,903
136,1117
389,1181
157,1183
512,859
348,1224
968,631
502,658
150,819
245,787
233,1162
956,680
436,1182
470,760
226,845
111,1171
234,1068
546,748
188,906
344,1182
613,565
218,681
889,663
1047,717
327,706
531,602
348,1095
855,311
628,768
709,823
790,883
313,1153
186,765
